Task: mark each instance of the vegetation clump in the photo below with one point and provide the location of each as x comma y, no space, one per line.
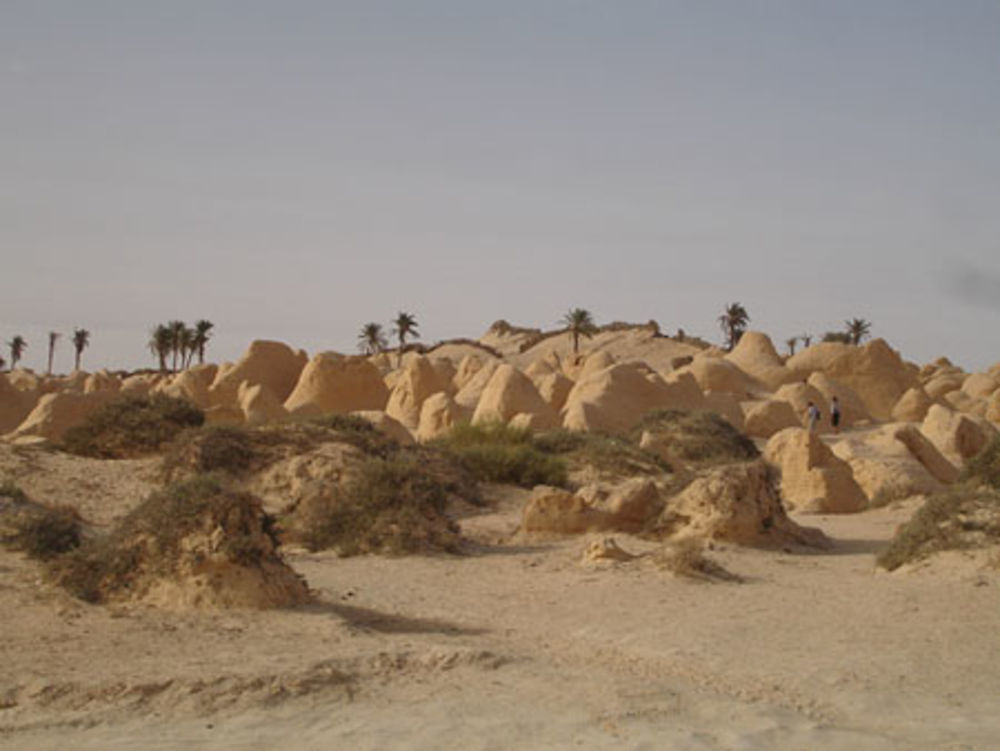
132,426
984,467
390,506
697,436
495,452
42,532
192,522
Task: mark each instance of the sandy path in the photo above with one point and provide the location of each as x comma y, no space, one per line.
518,646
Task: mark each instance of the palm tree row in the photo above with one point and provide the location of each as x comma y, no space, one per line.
17,345
373,339
180,343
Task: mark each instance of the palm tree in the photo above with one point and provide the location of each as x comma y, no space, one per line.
372,339
579,323
790,343
734,322
81,340
806,340
405,325
857,329
176,329
187,347
201,337
160,344
17,346
53,338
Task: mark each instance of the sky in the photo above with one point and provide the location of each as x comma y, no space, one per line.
293,170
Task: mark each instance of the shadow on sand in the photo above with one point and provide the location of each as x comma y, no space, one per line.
389,623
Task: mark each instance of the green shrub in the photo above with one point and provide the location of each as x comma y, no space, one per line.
697,436
391,506
358,432
966,515
148,541
985,466
216,448
495,452
41,531
132,426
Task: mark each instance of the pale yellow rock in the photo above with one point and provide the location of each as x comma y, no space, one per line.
56,413
272,364
955,435
721,376
24,380
912,406
556,511
993,407
140,384
468,395
508,393
334,383
726,405
224,415
756,356
102,380
186,385
605,550
813,479
15,405
852,409
884,467
738,503
438,415
258,404
798,395
446,372
592,363
553,387
961,402
980,385
382,422
467,369
945,383
764,419
927,454
418,381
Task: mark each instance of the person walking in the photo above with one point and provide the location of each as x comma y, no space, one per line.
835,414
812,417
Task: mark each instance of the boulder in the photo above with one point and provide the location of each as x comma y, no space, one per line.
764,419
721,376
962,402
385,424
258,404
140,384
552,386
738,503
926,453
268,363
418,381
944,383
333,383
813,479
799,394
466,371
912,405
874,371
980,385
756,356
438,415
508,393
556,511
955,435
186,385
56,413
884,467
615,398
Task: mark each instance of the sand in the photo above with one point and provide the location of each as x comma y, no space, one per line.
516,645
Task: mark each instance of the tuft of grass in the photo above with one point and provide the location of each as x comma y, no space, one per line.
149,540
608,454
495,452
132,426
964,516
698,436
687,558
984,467
42,532
391,506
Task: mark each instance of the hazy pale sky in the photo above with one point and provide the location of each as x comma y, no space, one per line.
292,170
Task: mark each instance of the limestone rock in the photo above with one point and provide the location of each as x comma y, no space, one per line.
438,415
884,467
102,380
605,550
56,413
961,402
224,415
739,503
756,356
912,406
552,386
927,453
812,478
630,505
852,409
333,383
271,364
980,385
418,381
955,435
258,404
993,407
556,511
944,383
468,394
508,393
467,369
764,419
186,385
798,395
727,405
140,384
721,376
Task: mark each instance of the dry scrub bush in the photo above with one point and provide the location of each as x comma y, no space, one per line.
391,506
608,454
149,541
687,558
697,436
497,453
41,532
132,426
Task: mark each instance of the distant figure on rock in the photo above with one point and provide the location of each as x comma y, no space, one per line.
835,414
812,417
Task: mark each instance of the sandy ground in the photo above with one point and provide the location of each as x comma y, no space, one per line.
516,645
